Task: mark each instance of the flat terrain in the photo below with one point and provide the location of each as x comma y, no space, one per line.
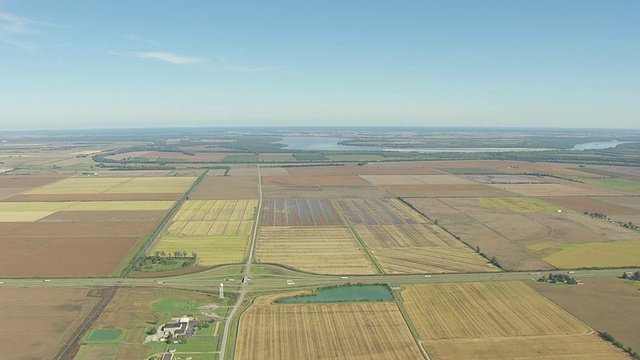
226,188
318,249
325,331
611,305
298,212
127,185
37,323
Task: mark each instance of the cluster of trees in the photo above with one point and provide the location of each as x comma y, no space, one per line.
558,278
181,339
628,225
629,350
631,276
181,258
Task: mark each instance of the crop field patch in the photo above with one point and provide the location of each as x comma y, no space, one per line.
325,331
594,254
576,347
417,235
226,188
382,168
506,179
620,315
127,185
70,229
323,192
333,180
379,212
105,216
518,204
319,249
593,205
484,310
63,256
210,250
430,260
57,313
616,184
52,207
560,189
300,212
441,179
455,190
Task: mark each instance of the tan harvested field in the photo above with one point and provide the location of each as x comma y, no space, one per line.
325,331
273,171
485,310
607,305
390,168
211,250
344,180
627,170
106,216
319,249
63,256
86,228
456,190
442,179
127,185
37,323
243,170
572,347
155,155
379,212
506,179
28,207
29,181
325,192
560,189
214,218
630,201
620,253
226,188
299,212
415,235
418,260
593,205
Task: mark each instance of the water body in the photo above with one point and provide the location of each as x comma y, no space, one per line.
321,143
598,145
344,293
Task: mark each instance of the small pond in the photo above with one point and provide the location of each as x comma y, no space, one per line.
343,293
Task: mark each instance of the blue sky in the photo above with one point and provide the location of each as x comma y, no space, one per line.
152,63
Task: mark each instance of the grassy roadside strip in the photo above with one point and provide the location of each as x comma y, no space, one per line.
355,233
142,248
400,303
234,327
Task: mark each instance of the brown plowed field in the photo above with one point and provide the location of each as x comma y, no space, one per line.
95,197
63,256
316,192
69,229
485,310
29,181
573,347
379,212
226,188
345,180
441,179
418,235
460,190
581,204
391,168
324,250
611,305
560,189
292,212
630,201
37,323
325,331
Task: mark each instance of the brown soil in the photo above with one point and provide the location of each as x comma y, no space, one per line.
315,192
29,181
582,204
63,256
566,188
611,305
391,168
106,216
37,323
226,188
314,180
53,229
455,190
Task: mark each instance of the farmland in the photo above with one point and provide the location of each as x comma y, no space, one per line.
378,212
319,249
216,230
294,212
598,254
36,323
127,185
354,330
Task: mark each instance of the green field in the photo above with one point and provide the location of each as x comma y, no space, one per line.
211,250
598,254
518,204
616,184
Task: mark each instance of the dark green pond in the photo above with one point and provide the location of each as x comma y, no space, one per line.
344,293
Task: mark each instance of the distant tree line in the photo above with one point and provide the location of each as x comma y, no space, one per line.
629,350
628,225
631,276
558,278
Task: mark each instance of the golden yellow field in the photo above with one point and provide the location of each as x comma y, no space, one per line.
214,218
485,310
97,185
518,204
325,331
33,211
601,254
416,235
571,347
430,260
319,249
211,250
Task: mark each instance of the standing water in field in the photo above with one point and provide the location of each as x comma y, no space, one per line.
343,293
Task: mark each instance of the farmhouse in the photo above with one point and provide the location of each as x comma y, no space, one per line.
176,328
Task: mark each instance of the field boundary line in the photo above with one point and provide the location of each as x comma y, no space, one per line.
163,225
355,233
399,303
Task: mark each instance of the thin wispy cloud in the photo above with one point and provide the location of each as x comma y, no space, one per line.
163,56
15,29
140,39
